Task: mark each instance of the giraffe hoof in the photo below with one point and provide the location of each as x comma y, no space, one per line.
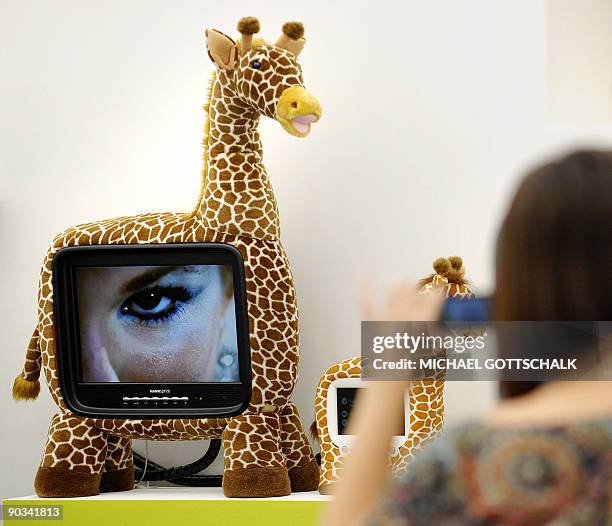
256,482
327,489
120,480
305,477
66,483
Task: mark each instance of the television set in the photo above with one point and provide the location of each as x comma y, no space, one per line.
152,331
342,398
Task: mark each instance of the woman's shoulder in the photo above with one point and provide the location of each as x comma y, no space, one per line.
478,440
474,437
476,443
477,470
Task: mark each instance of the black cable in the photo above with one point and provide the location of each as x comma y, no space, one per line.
200,481
186,475
157,472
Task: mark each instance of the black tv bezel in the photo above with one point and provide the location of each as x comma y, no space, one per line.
105,400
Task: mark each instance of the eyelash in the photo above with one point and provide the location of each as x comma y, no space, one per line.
177,295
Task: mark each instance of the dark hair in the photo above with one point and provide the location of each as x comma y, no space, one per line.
555,246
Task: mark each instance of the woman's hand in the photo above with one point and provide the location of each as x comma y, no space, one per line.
402,303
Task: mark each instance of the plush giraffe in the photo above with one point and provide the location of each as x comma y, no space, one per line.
425,397
266,451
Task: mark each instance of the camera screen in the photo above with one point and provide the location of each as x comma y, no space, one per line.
467,309
167,323
345,400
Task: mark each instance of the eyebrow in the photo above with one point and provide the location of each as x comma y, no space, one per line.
151,276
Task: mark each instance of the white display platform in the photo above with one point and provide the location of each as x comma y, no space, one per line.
176,493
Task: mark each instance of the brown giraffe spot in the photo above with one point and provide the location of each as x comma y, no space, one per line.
63,451
240,441
77,457
248,457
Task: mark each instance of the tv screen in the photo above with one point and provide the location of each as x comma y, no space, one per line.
163,323
152,330
345,400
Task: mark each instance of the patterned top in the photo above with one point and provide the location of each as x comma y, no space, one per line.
476,475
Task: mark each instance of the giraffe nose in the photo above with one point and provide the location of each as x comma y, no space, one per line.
296,110
297,101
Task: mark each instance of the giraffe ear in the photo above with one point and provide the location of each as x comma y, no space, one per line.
221,49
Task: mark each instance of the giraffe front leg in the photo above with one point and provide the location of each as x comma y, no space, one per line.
254,463
73,459
118,474
302,466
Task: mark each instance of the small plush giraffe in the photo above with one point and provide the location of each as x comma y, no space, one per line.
266,451
425,397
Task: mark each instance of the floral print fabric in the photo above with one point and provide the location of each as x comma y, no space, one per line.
476,475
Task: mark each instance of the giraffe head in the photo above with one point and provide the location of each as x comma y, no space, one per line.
450,275
266,78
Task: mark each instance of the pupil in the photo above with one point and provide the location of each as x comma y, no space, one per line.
147,300
256,64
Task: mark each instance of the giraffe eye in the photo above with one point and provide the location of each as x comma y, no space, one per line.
256,64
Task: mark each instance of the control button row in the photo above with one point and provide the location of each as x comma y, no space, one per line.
138,398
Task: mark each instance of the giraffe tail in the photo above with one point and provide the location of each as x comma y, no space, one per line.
314,433
27,385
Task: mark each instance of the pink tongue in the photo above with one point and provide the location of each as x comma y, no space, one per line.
302,123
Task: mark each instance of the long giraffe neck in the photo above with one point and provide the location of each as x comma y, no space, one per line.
236,196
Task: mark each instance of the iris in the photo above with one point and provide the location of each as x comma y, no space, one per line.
155,304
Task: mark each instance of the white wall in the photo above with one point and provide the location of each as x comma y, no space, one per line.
580,60
431,110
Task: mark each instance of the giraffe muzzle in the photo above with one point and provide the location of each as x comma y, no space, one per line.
296,110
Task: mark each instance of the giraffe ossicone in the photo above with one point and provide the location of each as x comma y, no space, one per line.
266,450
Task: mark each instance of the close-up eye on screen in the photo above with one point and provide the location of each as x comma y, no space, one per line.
157,324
